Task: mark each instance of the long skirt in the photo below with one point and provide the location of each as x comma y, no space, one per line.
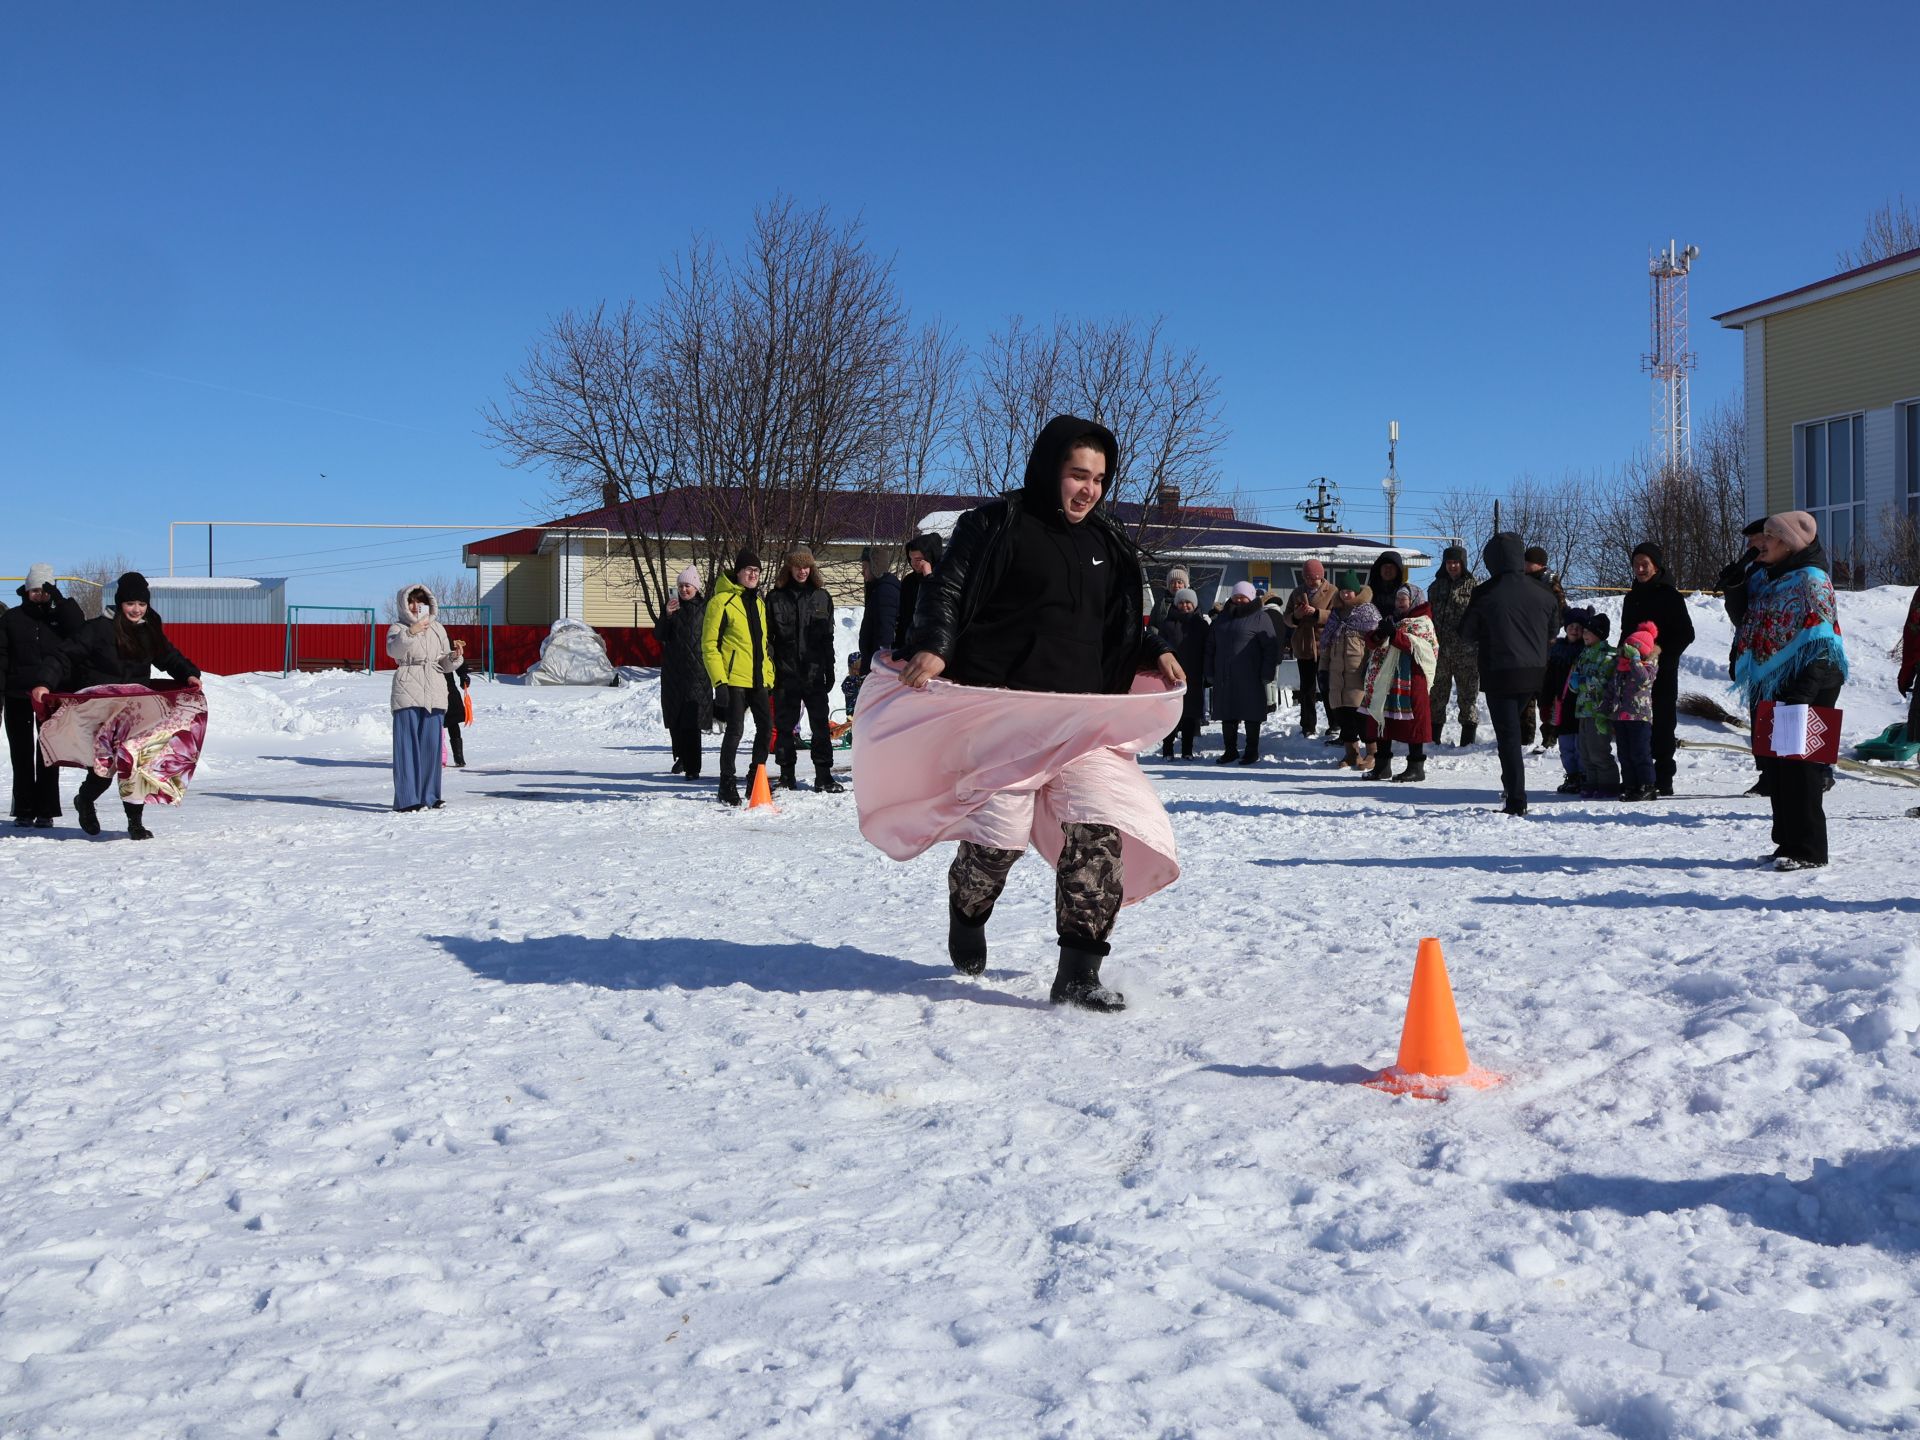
416,757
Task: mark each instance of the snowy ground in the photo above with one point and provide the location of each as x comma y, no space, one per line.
586,1107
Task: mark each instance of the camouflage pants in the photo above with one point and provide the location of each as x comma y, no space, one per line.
1087,883
1454,675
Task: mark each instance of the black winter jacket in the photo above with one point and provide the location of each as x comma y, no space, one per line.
93,657
1666,607
970,618
29,633
801,619
683,671
1510,620
1186,637
882,615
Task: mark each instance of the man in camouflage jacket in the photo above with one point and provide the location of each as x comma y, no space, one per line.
1458,670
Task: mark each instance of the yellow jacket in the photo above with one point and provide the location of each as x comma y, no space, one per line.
726,644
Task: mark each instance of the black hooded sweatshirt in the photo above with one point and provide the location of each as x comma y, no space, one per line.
1024,599
1382,587
1666,607
1511,620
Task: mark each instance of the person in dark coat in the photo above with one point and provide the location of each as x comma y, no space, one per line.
459,681
882,598
1243,655
122,648
28,632
1184,632
800,613
1510,621
1165,600
1787,649
923,553
1040,590
686,694
1654,599
1388,574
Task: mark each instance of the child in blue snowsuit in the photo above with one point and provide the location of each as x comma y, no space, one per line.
1556,704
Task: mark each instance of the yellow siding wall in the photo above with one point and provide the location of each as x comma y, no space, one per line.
530,594
1858,351
612,593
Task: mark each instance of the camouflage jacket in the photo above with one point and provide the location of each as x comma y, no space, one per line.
1449,600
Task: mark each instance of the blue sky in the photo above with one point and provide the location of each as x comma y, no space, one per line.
248,246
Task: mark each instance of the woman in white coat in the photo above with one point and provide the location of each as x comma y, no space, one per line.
423,657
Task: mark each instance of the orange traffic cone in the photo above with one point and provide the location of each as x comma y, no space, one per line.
1433,1053
760,794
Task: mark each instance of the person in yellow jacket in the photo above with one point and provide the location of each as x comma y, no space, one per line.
734,642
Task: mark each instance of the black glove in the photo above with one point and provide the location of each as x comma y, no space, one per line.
722,700
1383,632
52,589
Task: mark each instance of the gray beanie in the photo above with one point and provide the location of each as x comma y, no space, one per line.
39,577
1186,597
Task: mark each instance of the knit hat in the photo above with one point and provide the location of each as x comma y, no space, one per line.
1244,590
132,586
1796,527
1412,594
800,555
1597,625
1644,638
39,577
745,560
1654,553
688,576
1536,555
1186,597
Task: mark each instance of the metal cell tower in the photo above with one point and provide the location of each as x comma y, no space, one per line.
1671,359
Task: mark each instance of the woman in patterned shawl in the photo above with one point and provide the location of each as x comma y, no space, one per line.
1787,649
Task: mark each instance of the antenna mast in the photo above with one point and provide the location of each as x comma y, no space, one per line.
1670,359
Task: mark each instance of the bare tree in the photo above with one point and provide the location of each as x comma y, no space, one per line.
1893,229
450,590
1694,513
587,407
1161,402
1467,515
1893,554
93,587
1556,515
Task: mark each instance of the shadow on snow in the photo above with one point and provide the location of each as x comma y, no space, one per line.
621,962
1634,899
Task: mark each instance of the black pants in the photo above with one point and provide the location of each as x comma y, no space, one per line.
1348,717
1508,712
1308,694
1913,715
1666,719
1416,751
1797,791
742,702
1186,732
787,703
684,728
1232,730
453,735
36,786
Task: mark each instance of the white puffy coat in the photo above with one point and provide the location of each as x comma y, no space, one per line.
421,662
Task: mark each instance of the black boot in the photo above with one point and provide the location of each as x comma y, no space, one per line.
729,792
1382,767
1077,981
1227,757
136,824
1416,770
1166,749
966,942
83,811
787,780
824,782
1467,728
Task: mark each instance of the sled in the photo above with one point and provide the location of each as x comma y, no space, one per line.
1890,744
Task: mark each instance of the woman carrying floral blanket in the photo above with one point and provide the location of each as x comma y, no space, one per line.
1406,650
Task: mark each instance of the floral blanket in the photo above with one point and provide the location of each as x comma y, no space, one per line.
148,737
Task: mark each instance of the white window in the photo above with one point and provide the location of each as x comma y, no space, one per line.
1832,481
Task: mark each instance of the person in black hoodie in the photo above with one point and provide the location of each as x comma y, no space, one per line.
1388,574
1511,620
28,632
118,649
1654,599
800,614
882,600
923,553
459,681
1041,591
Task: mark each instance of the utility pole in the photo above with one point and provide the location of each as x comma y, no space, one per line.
1392,483
209,552
1324,509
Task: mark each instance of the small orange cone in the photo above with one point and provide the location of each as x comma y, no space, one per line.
760,794
1433,1053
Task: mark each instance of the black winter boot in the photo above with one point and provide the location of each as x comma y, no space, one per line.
1166,749
824,782
88,817
787,779
1572,785
1467,727
729,792
1077,981
136,823
1416,770
1382,767
966,942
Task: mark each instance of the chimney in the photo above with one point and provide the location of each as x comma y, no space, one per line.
1167,503
609,493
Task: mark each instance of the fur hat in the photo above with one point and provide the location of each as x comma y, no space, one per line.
132,586
801,555
39,577
689,576
1796,527
1186,597
1536,555
1412,594
1244,591
1454,552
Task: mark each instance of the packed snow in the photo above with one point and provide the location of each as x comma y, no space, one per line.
586,1107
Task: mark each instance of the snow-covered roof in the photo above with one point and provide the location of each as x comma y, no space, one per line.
214,582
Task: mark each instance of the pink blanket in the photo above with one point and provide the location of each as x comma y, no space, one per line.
1007,768
147,736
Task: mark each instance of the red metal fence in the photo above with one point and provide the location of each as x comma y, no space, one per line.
237,649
